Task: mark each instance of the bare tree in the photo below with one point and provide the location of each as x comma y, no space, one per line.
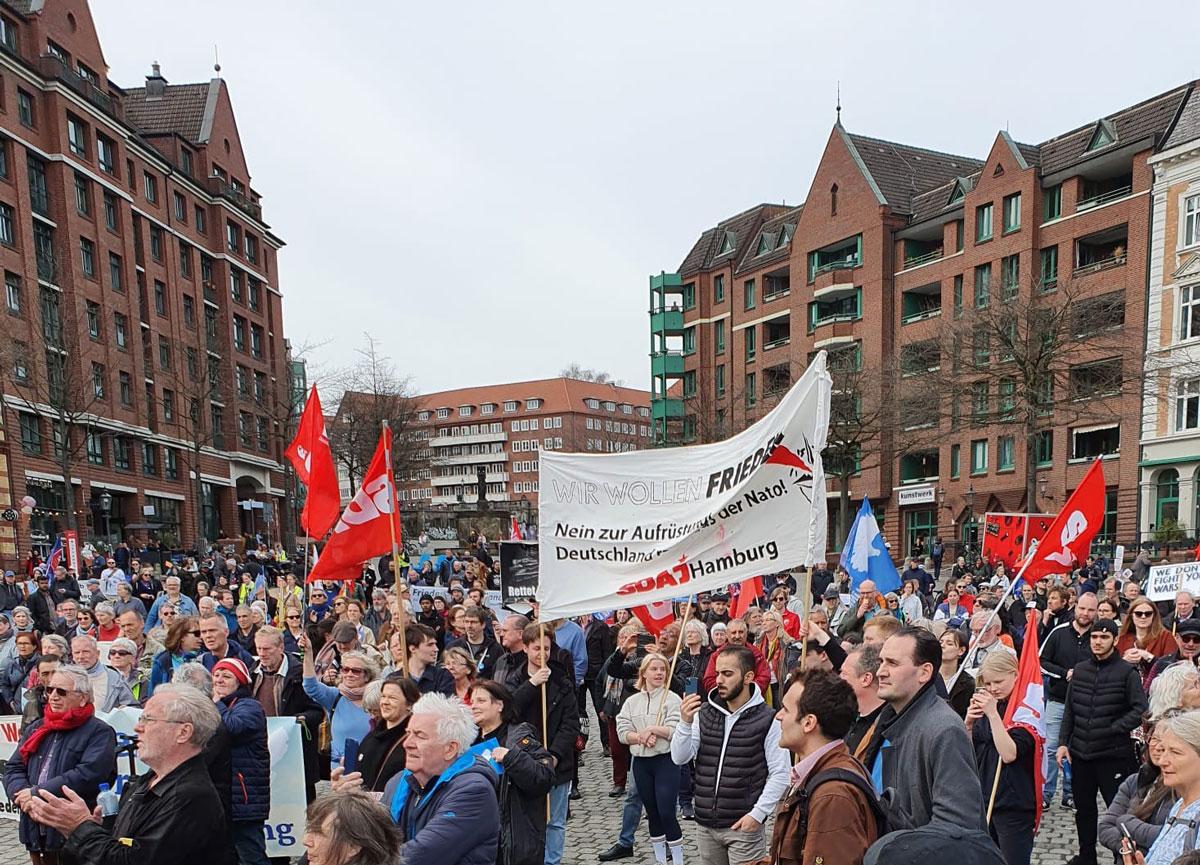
59,385
370,392
581,373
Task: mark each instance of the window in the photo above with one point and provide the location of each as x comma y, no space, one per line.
1187,404
719,288
168,405
719,336
110,211
239,342
260,388
31,433
1191,220
160,298
1166,498
1010,276
748,294
125,388
979,457
83,195
119,329
1102,378
983,285
511,404
189,310
954,461
256,342
121,453
106,154
1044,448
233,242
201,220
1012,212
185,161
719,378
170,464
843,255
958,296
1049,276
979,402
164,352
1092,442
1052,203
751,397
77,135
93,319
3,151
7,236
98,380
983,222
156,243
464,411
235,284
185,261
149,459
39,197
87,256
95,448
8,35
25,108
12,293
114,272
260,433
751,334
442,413
251,248
959,227
1005,457
150,182
1189,312
180,207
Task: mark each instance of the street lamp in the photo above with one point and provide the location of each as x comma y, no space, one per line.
941,494
1042,488
969,526
106,509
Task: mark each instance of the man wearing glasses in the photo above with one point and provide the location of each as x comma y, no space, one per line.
1187,637
169,815
279,688
68,746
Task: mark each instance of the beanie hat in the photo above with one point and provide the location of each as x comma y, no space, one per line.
1105,625
234,666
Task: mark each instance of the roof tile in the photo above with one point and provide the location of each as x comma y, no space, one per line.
179,110
901,171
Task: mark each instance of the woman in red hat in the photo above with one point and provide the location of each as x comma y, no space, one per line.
246,722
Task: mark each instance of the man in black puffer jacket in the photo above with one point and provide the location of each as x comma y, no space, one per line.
1105,703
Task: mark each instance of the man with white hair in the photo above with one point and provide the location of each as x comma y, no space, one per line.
184,605
109,688
445,799
172,814
987,641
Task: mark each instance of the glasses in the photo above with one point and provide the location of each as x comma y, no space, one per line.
359,670
118,653
1189,638
146,719
1143,614
59,692
194,633
294,616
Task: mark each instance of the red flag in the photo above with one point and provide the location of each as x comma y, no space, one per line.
1067,541
655,616
310,455
745,594
368,525
514,533
1027,705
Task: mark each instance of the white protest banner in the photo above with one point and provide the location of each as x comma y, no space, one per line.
625,529
10,735
491,597
1165,580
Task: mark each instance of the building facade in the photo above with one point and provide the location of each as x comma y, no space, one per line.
145,374
502,429
1170,457
897,264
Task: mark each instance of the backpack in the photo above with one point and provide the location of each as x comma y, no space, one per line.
852,778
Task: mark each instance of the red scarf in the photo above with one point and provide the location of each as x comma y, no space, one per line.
53,721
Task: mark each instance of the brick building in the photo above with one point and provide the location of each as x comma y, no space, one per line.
893,245
503,428
145,369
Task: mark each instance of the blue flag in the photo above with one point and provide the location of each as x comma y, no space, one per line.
865,556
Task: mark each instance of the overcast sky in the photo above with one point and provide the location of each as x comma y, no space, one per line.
486,187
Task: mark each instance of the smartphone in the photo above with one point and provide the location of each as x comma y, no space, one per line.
350,756
644,640
692,686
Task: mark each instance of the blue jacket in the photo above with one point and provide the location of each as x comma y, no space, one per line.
456,821
82,759
163,668
232,650
185,606
570,637
246,722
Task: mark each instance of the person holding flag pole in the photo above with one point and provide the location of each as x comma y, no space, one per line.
401,587
1008,734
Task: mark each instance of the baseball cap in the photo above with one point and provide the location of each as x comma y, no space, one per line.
831,592
1105,625
1188,626
720,597
344,632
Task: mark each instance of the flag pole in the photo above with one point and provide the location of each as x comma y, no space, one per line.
546,664
393,517
1008,584
662,704
806,598
995,787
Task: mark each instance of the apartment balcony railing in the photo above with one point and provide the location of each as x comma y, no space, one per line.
918,260
1102,264
240,200
840,264
52,67
1102,199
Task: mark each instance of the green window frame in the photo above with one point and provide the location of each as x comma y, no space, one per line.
751,337
983,285
960,228
1166,497
1012,212
1008,398
1052,202
983,222
719,288
1044,448
689,340
1005,454
689,383
955,458
1049,268
958,296
919,524
979,457
1010,276
748,294
689,295
719,336
980,399
719,379
750,396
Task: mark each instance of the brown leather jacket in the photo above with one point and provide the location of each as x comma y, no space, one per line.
841,825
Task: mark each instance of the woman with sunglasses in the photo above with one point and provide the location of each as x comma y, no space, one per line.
85,624
182,644
122,657
343,703
293,628
1143,637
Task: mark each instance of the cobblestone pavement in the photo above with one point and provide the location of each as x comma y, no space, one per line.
596,819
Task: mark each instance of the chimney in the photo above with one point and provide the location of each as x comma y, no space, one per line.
156,85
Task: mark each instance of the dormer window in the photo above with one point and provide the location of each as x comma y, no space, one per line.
1104,135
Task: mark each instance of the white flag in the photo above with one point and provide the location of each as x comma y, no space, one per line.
622,530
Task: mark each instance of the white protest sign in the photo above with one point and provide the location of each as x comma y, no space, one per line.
1165,580
625,529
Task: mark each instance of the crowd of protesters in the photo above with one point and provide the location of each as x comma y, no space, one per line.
846,725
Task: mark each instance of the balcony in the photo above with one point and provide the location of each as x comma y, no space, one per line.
477,438
843,255
666,363
840,309
1101,251
920,357
50,66
665,407
918,468
469,478
776,285
919,252
664,320
1099,192
777,332
467,498
918,304
469,459
776,380
222,189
